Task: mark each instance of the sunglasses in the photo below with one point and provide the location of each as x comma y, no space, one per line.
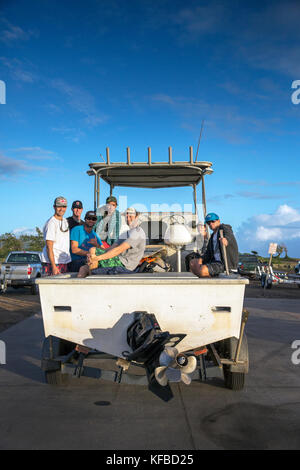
91,218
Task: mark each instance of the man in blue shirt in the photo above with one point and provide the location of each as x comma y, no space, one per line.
82,239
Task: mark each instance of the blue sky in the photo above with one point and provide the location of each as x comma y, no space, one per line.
83,76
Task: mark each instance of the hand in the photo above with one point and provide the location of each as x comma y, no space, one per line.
92,259
202,230
93,241
55,270
224,241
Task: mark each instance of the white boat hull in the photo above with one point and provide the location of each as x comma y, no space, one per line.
96,311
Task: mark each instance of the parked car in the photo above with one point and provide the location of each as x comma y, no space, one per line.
21,268
247,265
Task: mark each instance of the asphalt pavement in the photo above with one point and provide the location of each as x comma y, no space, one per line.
95,414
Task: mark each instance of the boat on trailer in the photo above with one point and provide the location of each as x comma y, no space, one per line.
155,327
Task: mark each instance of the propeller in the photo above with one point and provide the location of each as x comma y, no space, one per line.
174,367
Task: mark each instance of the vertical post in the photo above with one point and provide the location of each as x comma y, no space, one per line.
203,196
95,192
191,155
107,156
178,259
128,155
195,200
149,155
204,213
170,155
98,189
268,275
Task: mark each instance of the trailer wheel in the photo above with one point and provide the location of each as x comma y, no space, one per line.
60,347
266,281
234,376
55,377
34,289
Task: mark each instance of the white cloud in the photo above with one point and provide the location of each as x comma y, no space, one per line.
19,70
36,153
283,227
82,101
12,166
11,33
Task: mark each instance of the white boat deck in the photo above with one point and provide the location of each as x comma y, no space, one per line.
144,278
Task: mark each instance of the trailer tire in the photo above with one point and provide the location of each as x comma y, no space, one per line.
34,289
264,280
233,380
55,377
234,375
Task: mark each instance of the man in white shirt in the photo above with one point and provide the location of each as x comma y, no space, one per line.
56,253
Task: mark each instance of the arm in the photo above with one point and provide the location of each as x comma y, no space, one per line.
76,250
49,247
96,242
228,236
112,252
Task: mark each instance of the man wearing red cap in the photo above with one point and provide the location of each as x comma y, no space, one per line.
56,253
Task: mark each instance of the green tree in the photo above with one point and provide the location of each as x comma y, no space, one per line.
9,242
33,242
279,250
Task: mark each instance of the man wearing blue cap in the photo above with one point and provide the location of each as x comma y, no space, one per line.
212,262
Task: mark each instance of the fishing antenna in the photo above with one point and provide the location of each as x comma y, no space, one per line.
199,140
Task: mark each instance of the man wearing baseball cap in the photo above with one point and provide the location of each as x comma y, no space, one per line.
75,219
212,262
124,255
56,253
108,221
82,239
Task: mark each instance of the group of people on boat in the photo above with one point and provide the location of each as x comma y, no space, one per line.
93,245
96,245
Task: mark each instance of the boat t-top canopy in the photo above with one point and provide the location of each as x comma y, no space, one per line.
148,174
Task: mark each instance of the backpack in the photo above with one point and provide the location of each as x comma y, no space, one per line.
154,265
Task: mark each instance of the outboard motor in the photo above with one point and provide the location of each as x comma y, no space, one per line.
145,338
147,341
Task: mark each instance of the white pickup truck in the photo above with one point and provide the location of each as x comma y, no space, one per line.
21,268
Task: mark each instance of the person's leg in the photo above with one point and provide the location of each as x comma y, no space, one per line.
207,270
112,270
84,271
189,258
199,269
75,265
